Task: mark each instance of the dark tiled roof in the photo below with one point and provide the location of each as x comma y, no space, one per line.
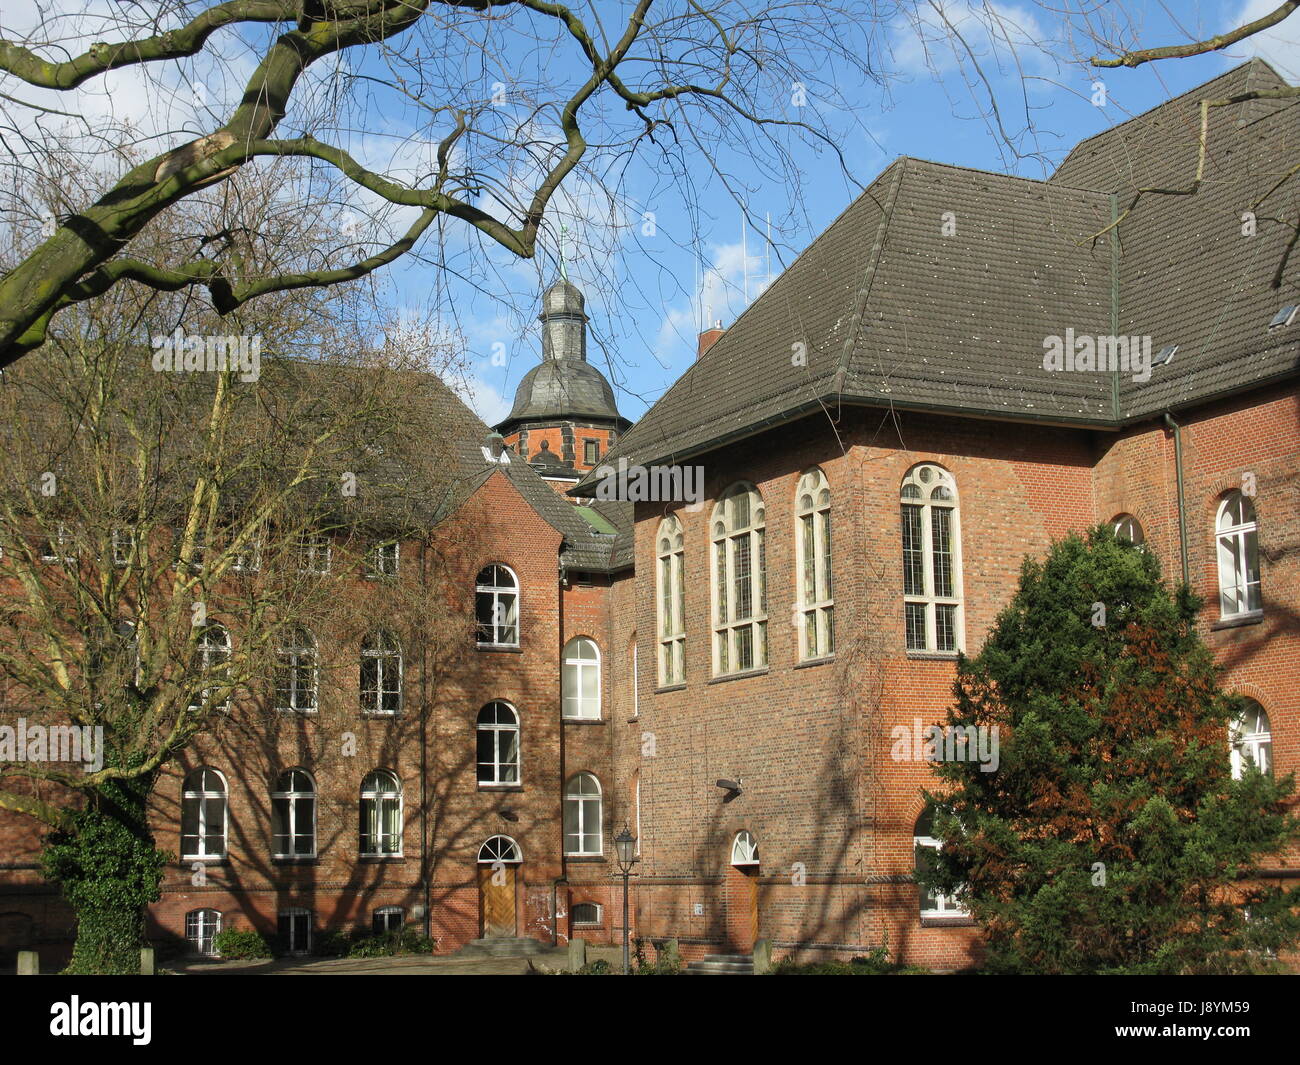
893,308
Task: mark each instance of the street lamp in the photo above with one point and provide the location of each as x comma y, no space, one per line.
625,849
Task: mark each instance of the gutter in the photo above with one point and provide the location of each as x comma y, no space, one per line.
1177,430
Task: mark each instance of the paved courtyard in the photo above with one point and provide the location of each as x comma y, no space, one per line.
417,965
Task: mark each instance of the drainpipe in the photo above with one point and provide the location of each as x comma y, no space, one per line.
1177,430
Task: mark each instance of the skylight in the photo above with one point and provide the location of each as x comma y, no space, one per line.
1284,316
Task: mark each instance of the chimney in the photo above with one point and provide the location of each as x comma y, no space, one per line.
709,337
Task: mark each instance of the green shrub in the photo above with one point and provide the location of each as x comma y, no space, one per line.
234,945
876,963
389,944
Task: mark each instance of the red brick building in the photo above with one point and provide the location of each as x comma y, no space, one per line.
880,438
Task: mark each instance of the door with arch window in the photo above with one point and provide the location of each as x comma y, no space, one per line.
742,894
498,862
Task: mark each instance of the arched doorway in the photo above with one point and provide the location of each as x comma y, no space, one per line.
742,894
498,860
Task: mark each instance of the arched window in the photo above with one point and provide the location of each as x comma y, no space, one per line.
813,566
211,664
293,815
381,673
499,849
1238,540
201,928
931,560
295,672
1252,741
1128,528
925,846
496,607
498,744
203,814
744,849
582,816
387,920
580,680
381,815
671,602
739,581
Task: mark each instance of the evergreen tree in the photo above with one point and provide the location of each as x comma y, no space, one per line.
1112,837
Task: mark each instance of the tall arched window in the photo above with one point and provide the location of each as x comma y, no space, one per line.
670,602
295,672
211,664
496,607
1128,528
381,815
1238,540
381,673
580,680
293,815
1252,741
739,581
498,744
201,929
931,560
582,816
925,845
203,814
813,566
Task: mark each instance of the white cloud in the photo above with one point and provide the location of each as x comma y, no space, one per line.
718,296
1279,45
484,400
946,35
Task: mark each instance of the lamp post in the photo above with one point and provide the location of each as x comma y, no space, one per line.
625,849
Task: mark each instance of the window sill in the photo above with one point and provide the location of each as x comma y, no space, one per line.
933,656
500,648
583,720
377,715
304,712
739,676
586,858
381,859
808,663
500,787
957,920
671,688
186,859
299,859
1236,621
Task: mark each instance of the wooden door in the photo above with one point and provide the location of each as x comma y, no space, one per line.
496,889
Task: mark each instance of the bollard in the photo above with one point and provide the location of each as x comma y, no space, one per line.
148,964
577,954
29,963
762,957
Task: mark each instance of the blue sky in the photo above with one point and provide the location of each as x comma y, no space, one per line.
643,328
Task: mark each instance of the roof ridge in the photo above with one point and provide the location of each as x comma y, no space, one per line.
1248,65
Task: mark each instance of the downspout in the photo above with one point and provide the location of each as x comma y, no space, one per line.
555,908
424,758
1177,430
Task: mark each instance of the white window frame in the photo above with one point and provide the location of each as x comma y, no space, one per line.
115,537
744,849
383,649
500,848
670,601
208,657
296,915
249,558
582,803
52,550
1237,550
383,913
379,801
1257,745
1127,527
504,602
299,644
201,794
732,629
315,553
944,905
203,926
919,488
575,666
291,796
597,922
815,598
383,560
498,732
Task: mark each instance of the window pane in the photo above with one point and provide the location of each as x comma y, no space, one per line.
914,616
913,558
941,545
